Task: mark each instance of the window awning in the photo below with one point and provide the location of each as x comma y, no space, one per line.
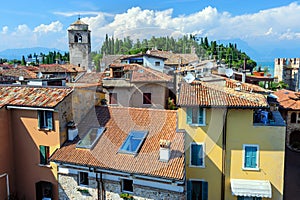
251,188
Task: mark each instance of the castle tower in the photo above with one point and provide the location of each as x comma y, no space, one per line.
80,44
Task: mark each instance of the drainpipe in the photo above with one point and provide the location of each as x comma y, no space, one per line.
224,138
7,183
100,186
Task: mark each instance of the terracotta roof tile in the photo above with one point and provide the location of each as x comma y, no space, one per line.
32,96
206,94
288,99
52,68
118,122
91,77
17,72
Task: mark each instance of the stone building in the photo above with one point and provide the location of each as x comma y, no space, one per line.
289,106
287,70
133,152
80,44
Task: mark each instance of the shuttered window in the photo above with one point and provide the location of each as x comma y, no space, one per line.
250,157
45,119
195,116
197,155
44,155
197,190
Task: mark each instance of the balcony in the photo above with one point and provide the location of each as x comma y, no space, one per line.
116,82
268,118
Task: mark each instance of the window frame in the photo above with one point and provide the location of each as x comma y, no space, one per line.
198,113
204,185
45,120
157,63
244,157
44,160
147,98
85,177
203,155
127,191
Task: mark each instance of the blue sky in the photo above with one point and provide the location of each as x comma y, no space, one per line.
265,25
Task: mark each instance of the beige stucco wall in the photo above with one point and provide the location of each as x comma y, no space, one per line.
133,96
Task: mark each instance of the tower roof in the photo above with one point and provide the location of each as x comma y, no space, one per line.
79,22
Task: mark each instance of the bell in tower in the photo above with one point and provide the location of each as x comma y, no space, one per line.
80,44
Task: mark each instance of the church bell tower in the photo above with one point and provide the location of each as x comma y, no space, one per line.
80,44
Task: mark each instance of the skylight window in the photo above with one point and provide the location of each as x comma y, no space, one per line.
133,142
90,139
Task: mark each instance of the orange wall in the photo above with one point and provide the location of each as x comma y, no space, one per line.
6,153
27,139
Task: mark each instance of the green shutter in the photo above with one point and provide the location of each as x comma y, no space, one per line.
42,154
189,115
204,190
196,155
49,119
250,157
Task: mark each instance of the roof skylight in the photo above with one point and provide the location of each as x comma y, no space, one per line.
133,142
90,139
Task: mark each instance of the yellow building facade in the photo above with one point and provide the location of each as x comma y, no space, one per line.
229,154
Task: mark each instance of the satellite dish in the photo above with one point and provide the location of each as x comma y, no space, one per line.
40,75
189,78
229,72
21,78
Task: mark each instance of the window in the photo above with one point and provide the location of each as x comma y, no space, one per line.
157,63
83,178
113,98
44,155
251,157
127,185
197,190
133,142
197,155
90,139
293,117
45,119
195,116
78,38
249,198
146,98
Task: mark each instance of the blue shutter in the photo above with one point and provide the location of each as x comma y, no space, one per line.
39,119
189,114
204,190
200,116
189,190
196,155
250,157
49,119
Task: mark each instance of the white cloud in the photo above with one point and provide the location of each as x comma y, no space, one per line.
53,27
4,30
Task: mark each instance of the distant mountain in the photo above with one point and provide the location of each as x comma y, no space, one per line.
11,54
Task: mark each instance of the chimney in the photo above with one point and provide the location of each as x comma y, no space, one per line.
72,130
164,151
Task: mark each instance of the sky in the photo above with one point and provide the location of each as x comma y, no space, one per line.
264,25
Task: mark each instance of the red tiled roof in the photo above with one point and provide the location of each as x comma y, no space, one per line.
91,77
52,68
32,96
288,99
231,83
17,72
118,122
207,94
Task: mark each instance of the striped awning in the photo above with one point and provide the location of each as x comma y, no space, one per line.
251,188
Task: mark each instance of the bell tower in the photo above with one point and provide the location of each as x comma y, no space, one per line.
80,44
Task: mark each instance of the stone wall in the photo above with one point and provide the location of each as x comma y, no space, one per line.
291,127
68,189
